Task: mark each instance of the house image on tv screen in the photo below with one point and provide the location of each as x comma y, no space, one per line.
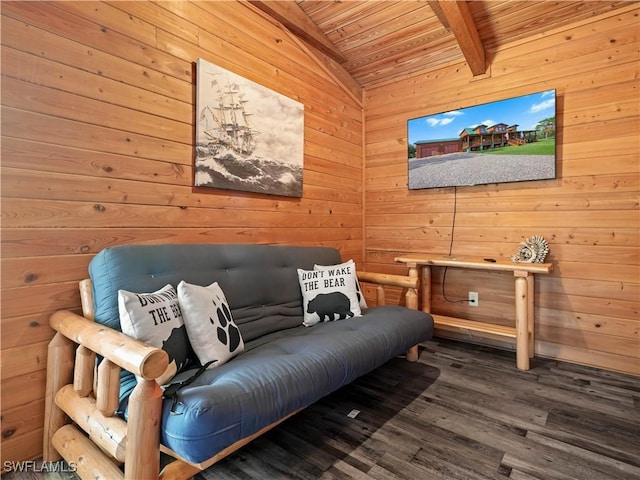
479,150
478,138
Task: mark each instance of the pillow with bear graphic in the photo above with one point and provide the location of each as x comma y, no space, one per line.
155,318
349,263
328,295
207,316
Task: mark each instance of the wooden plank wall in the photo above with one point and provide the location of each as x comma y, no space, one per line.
97,128
587,310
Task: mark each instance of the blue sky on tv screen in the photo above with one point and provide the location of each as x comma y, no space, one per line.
525,111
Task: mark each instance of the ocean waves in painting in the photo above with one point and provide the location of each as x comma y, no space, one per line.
231,171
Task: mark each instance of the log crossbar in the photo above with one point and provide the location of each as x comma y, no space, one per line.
87,394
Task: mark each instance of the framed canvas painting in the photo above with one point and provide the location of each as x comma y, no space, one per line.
248,137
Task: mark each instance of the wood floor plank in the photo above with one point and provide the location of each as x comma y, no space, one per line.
596,387
518,475
580,429
609,467
405,470
444,451
508,410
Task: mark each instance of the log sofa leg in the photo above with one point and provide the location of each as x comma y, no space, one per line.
411,300
59,373
143,434
413,354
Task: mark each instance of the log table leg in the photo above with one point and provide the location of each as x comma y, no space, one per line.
522,321
530,313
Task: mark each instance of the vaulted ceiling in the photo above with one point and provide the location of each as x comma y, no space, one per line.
375,41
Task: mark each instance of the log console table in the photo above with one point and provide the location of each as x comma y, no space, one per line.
523,332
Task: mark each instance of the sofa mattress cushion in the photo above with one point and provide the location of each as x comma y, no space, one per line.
283,372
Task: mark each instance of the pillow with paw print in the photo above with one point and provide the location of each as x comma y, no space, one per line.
207,318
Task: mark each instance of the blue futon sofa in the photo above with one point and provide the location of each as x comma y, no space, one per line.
283,367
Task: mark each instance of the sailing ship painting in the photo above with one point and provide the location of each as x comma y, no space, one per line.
248,137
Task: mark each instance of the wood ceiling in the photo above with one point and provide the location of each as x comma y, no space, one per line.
376,41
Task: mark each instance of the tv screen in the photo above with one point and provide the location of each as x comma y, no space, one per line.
511,140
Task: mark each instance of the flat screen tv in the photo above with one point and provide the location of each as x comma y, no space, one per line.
511,140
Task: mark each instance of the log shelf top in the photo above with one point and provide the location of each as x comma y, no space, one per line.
480,263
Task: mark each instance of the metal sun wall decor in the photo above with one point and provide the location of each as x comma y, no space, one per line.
533,250
248,137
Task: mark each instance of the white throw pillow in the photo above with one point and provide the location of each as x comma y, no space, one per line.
328,295
155,318
207,316
349,263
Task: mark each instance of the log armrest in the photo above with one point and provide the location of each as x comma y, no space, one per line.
404,281
70,381
126,352
384,279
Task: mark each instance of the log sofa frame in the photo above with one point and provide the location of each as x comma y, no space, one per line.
96,440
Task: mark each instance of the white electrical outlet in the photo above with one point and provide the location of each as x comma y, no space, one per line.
473,299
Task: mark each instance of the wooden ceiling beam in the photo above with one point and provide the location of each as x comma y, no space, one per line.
301,29
435,6
459,20
298,22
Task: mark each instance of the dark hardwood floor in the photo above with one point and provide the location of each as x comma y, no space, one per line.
460,412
